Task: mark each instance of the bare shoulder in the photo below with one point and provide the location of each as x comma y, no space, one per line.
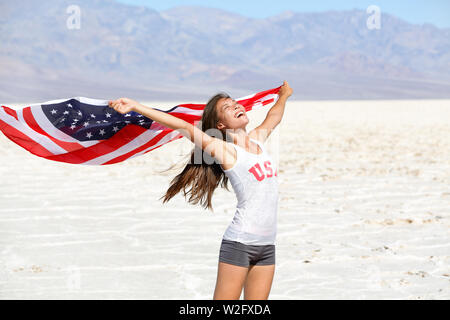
219,149
224,152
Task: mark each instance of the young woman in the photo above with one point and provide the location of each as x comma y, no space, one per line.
247,252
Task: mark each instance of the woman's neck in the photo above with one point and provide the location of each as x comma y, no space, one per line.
239,136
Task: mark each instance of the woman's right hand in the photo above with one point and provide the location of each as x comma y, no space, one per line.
123,105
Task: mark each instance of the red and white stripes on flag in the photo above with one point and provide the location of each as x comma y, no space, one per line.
87,131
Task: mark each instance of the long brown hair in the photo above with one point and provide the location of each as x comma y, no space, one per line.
199,180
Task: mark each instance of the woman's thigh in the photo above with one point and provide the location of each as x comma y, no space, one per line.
259,282
230,280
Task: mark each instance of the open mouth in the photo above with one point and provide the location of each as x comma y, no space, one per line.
239,114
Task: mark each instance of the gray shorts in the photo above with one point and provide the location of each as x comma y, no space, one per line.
243,255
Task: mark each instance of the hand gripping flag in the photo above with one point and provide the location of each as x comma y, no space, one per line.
87,131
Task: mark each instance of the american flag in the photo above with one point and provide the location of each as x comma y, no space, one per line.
87,131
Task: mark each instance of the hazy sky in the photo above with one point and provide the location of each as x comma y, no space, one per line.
436,12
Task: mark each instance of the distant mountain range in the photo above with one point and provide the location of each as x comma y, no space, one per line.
190,53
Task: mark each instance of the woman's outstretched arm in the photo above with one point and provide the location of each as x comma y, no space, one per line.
217,148
274,116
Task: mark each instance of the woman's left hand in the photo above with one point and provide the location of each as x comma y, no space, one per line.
285,90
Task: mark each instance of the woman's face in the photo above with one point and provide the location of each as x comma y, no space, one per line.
231,114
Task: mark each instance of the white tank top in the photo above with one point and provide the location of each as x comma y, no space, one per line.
254,180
